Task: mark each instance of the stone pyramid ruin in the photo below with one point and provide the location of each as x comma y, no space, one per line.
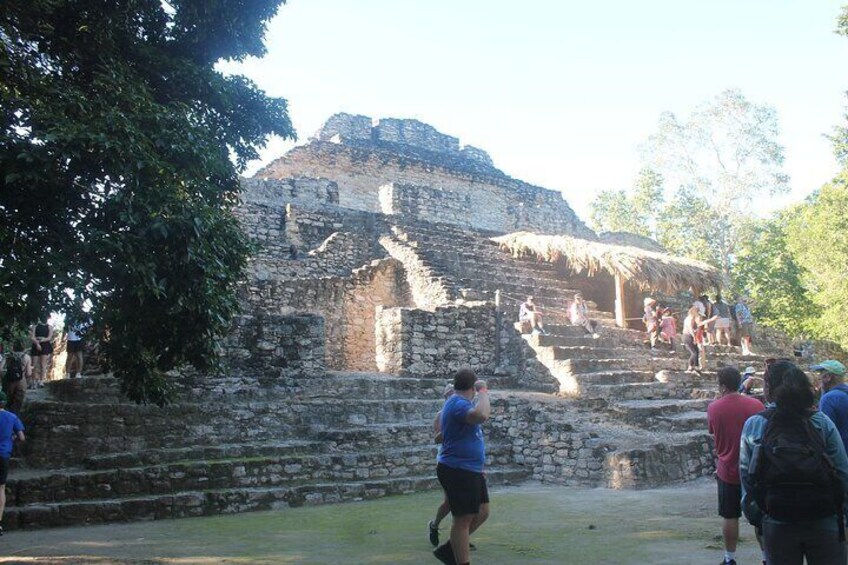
375,277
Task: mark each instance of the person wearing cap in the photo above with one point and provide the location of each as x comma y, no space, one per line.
578,313
460,467
834,400
748,380
11,428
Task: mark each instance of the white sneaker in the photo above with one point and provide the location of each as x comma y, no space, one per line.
595,336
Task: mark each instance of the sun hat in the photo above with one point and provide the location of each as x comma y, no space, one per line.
649,300
830,366
749,371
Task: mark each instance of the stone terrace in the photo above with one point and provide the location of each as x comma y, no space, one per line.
389,278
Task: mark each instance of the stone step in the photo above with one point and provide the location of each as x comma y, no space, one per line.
614,376
209,502
591,365
629,391
65,434
203,474
590,352
646,409
684,421
688,457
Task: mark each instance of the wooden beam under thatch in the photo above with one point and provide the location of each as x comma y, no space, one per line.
649,270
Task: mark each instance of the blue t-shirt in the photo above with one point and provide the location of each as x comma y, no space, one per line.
9,425
462,443
834,403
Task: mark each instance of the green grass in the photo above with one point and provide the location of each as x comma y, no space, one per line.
529,525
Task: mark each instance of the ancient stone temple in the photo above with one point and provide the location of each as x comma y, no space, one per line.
388,256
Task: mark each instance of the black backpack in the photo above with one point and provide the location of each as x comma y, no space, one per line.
793,478
14,369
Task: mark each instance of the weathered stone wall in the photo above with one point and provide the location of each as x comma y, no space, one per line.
439,342
279,192
275,343
347,304
340,254
496,201
329,240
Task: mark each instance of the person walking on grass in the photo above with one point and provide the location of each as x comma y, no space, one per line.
444,508
11,429
726,417
794,474
460,464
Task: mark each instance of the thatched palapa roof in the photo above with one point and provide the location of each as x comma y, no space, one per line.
649,270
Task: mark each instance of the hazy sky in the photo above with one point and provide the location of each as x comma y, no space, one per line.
560,93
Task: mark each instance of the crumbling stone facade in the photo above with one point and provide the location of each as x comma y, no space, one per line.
395,272
408,152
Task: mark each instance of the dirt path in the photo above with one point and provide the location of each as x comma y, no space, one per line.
530,524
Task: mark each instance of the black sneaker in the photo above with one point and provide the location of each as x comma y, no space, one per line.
434,533
444,553
725,562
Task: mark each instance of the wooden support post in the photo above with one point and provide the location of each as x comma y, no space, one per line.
620,308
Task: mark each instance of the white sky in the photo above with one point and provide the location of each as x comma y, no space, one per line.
560,93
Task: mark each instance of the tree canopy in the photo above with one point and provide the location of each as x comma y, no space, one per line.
120,152
714,163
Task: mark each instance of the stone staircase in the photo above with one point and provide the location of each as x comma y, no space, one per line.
470,264
227,445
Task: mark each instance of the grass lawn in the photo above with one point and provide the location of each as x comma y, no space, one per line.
530,524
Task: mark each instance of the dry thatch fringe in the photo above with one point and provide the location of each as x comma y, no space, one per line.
649,270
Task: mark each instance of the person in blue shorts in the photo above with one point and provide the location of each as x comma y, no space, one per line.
460,464
10,428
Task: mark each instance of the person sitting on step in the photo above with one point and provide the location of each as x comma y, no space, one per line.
579,315
529,313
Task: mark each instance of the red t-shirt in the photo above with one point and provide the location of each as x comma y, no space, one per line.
726,417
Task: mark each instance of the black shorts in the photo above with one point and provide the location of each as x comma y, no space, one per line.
74,346
729,499
465,490
4,470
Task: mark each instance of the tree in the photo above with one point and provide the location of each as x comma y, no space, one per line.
633,211
768,271
723,156
117,154
817,237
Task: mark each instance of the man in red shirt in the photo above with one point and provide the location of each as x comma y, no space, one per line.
726,417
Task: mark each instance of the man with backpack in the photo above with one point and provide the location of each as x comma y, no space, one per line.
18,370
726,417
834,400
794,474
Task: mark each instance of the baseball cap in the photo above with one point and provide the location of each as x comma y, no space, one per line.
749,371
831,366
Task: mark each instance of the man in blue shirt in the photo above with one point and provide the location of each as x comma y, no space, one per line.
834,400
10,428
460,464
